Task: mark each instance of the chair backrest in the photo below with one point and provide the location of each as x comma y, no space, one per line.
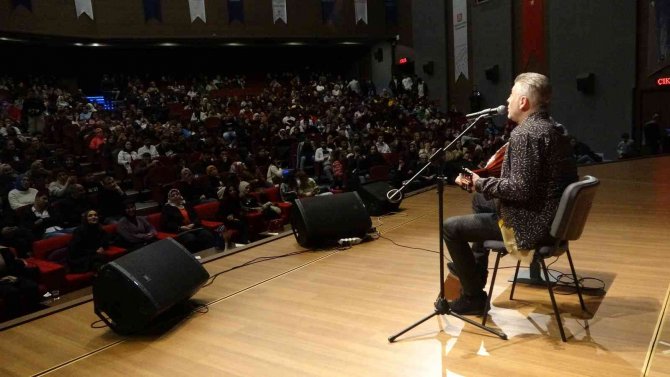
574,208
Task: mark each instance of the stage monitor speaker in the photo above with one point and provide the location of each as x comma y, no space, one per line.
322,220
130,292
374,197
586,83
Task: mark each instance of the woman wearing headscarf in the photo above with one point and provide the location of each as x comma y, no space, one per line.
135,231
249,203
179,217
306,186
89,241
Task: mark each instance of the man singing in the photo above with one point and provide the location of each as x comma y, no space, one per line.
536,169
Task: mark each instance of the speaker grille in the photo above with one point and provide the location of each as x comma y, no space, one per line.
139,286
321,220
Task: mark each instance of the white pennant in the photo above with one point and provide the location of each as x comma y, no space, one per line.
84,7
460,27
361,10
197,9
279,11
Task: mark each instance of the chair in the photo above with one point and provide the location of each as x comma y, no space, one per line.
568,225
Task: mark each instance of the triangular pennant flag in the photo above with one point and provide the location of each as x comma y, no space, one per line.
84,7
26,3
279,11
361,10
328,10
197,9
235,10
152,9
391,7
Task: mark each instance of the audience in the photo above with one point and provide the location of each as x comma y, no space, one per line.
328,130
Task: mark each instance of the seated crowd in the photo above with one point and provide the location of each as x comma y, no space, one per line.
70,168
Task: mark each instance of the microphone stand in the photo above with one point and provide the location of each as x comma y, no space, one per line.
441,305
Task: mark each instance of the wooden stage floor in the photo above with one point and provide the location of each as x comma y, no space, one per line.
329,313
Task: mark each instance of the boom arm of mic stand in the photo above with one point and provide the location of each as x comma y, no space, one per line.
395,195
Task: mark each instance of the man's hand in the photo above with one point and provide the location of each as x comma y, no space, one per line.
465,182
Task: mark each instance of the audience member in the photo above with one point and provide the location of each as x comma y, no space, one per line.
40,219
18,287
23,194
134,231
59,187
12,235
306,186
288,189
178,216
230,212
626,147
110,200
250,203
88,243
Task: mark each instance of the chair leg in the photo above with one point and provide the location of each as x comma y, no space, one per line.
553,300
574,277
487,307
516,274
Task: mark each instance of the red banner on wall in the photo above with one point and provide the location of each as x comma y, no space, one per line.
533,45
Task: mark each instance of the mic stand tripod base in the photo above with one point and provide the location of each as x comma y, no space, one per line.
442,308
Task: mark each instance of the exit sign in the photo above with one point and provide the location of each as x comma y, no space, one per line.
402,61
663,81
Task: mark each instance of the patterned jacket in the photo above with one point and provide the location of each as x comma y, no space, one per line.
536,169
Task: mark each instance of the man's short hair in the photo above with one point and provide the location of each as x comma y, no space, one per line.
536,87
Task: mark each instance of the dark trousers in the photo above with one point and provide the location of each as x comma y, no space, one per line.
196,240
476,228
21,296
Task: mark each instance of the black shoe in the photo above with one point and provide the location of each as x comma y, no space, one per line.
467,304
482,275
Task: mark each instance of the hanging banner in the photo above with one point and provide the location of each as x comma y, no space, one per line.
328,10
658,36
152,10
197,10
361,10
391,10
460,22
533,46
83,7
26,3
279,11
235,10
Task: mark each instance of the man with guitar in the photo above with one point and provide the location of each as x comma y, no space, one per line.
535,169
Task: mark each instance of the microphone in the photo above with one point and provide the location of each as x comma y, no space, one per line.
488,112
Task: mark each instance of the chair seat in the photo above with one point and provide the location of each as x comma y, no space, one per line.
211,225
544,251
164,235
113,252
494,245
